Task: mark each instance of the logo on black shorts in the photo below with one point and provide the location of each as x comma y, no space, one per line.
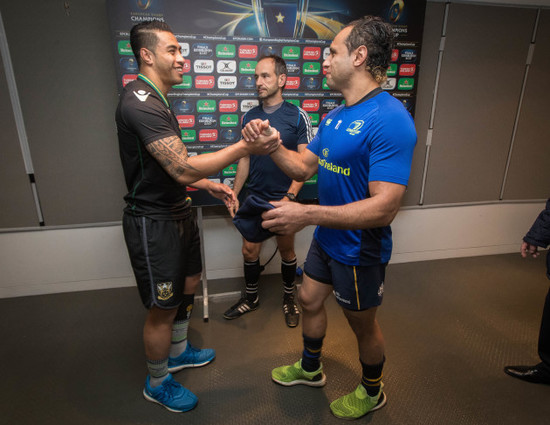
165,290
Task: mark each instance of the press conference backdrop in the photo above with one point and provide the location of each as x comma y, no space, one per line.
221,43
485,143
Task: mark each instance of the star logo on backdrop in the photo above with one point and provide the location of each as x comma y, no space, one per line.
280,18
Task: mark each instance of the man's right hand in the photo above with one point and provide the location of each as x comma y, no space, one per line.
528,249
260,138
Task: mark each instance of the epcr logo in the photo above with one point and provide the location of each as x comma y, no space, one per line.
144,4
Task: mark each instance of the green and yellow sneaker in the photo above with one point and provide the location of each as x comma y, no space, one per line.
357,403
294,375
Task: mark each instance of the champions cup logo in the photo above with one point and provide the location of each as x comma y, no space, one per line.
165,291
280,18
395,10
143,4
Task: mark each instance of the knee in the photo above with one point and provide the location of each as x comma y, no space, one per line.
308,303
249,254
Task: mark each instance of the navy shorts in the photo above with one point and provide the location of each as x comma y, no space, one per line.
355,287
163,253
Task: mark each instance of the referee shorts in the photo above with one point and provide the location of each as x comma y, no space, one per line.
356,288
163,253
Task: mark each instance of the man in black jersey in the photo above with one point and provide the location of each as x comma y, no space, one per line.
160,232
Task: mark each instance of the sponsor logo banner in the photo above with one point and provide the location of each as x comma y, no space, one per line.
405,84
314,118
185,49
124,48
247,82
203,66
311,83
187,83
206,105
392,70
311,105
293,68
128,78
207,120
227,82
292,83
294,101
248,104
210,135
311,68
247,67
407,69
311,53
228,105
408,55
183,106
394,55
389,84
291,52
225,51
226,67
230,135
186,121
229,120
188,135
230,171
205,82
203,50
248,51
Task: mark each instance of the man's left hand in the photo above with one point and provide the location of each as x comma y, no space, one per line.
286,218
223,192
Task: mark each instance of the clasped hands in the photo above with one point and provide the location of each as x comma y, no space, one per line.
260,137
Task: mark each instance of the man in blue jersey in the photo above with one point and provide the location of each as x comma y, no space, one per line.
159,229
362,154
267,181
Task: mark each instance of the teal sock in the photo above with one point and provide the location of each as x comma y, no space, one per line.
158,371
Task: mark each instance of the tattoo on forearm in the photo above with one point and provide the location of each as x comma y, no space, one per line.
171,154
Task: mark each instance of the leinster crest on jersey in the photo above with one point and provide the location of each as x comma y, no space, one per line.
165,290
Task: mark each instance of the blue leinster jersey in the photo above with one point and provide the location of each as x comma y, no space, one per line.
370,141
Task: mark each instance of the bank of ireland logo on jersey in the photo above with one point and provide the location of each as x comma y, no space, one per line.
325,152
165,290
355,127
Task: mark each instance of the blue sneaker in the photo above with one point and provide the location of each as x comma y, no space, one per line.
171,395
191,357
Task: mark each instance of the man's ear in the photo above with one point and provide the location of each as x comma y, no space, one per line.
146,56
361,55
282,80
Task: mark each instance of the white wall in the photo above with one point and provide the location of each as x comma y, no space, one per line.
64,260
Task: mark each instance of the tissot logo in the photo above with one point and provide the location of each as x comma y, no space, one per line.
205,82
311,105
248,51
208,135
128,78
186,121
394,55
203,66
203,49
248,104
407,70
311,53
227,82
226,67
292,83
228,105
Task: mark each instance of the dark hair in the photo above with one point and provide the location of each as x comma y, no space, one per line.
377,36
280,64
144,34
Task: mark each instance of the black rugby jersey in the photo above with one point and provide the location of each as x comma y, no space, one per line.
144,116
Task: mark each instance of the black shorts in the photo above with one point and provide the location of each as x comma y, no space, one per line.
163,253
355,287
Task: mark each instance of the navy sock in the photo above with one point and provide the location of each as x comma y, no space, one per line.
372,377
252,272
311,356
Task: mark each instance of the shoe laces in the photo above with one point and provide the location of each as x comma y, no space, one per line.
171,390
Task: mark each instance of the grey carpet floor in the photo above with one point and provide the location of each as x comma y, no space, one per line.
450,327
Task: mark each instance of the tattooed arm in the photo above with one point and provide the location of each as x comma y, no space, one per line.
171,154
